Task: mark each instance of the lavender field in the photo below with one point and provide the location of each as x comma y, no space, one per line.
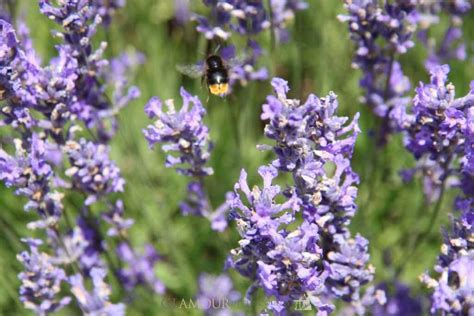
325,168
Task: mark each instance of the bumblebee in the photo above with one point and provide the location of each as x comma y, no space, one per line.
214,72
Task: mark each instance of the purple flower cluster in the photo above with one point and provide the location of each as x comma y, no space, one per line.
97,301
45,109
140,268
242,70
295,243
184,133
92,171
248,17
88,101
380,34
286,263
399,301
41,281
451,46
453,290
215,295
437,134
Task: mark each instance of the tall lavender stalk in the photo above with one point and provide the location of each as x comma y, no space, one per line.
381,34
451,46
184,133
453,288
436,134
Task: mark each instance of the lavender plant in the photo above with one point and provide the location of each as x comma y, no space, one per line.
381,33
436,132
452,45
301,248
453,291
46,109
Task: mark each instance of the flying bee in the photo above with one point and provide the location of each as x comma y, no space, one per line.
214,71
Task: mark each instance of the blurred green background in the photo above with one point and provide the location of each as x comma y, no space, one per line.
317,59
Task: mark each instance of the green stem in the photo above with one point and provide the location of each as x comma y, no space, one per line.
420,238
272,26
235,127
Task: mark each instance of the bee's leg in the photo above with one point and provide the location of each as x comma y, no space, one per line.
208,47
218,47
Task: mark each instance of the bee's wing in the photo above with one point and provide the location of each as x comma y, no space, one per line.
193,71
239,60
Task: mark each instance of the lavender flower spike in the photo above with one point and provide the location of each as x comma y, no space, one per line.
182,132
436,130
380,34
41,281
140,268
454,288
310,140
97,302
286,263
92,171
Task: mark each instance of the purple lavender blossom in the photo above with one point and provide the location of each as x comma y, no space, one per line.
140,268
310,140
6,7
452,45
243,70
381,34
31,175
399,301
453,290
41,281
456,7
248,18
95,302
92,171
287,264
80,20
467,162
181,11
182,132
45,107
435,130
451,48
283,11
96,245
121,68
185,133
215,295
115,218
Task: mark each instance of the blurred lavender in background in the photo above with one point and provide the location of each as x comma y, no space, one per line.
382,33
216,295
